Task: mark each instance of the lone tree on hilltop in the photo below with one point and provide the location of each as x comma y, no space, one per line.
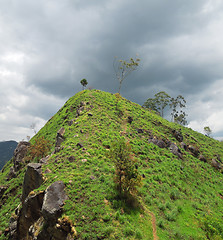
84,83
123,68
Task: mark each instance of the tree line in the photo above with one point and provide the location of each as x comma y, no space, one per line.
176,105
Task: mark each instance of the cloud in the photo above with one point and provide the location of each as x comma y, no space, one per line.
48,46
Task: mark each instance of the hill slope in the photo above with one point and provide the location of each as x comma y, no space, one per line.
6,151
181,196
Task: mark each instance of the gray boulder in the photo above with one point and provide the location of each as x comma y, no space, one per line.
32,180
216,164
175,150
159,142
53,201
178,135
30,212
19,154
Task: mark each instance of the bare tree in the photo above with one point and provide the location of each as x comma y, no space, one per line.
123,68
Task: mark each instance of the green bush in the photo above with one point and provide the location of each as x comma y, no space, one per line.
127,178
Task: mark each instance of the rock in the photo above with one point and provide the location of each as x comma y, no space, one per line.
216,164
175,150
47,171
90,114
139,130
202,158
59,140
44,160
130,119
80,145
32,180
13,228
82,103
19,154
159,142
53,201
30,212
71,159
183,145
92,177
178,135
2,190
193,150
71,122
12,173
61,132
60,137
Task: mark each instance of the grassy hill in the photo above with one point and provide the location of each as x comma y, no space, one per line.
6,151
181,196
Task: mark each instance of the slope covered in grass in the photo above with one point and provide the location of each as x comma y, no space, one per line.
184,194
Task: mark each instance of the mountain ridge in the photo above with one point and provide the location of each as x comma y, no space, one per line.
181,171
6,151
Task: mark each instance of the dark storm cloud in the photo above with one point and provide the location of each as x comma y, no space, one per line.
50,45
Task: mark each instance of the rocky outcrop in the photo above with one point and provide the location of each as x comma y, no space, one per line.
30,212
18,158
130,119
195,152
32,180
2,190
54,199
216,164
19,154
41,209
59,139
178,135
159,142
175,150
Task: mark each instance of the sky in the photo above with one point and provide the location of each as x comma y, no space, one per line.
48,46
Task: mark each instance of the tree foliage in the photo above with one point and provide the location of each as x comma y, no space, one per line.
158,103
207,131
38,149
177,114
84,83
123,68
162,100
127,178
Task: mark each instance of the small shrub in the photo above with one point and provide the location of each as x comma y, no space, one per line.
138,234
161,207
108,231
128,231
161,224
168,205
171,216
127,178
175,194
39,149
106,218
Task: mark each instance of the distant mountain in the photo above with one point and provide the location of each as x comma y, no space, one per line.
6,151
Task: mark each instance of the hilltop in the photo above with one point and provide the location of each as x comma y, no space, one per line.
6,151
181,196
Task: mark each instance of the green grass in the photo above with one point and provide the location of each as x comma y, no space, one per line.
184,194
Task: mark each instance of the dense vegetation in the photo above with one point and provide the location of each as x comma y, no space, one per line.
181,198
